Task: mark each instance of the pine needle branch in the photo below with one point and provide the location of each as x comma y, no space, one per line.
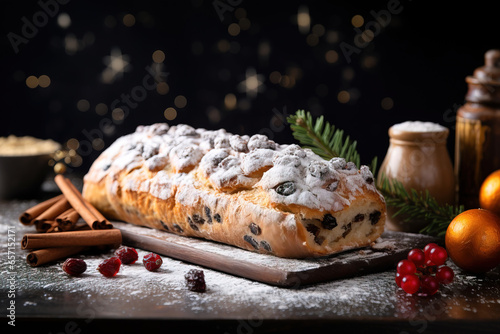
324,139
416,205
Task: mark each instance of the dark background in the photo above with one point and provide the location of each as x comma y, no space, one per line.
419,61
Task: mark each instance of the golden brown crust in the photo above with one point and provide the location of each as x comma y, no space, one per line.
243,205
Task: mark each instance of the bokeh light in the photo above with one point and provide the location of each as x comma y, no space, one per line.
83,105
170,113
44,81
180,101
129,20
158,56
32,81
357,21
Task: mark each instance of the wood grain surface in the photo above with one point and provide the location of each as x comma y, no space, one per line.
291,273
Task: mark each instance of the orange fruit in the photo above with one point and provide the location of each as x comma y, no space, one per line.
473,240
489,193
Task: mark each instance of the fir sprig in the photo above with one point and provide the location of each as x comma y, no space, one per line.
324,139
418,205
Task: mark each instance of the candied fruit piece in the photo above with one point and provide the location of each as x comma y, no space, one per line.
329,222
195,280
198,219
165,226
178,228
251,241
255,229
347,229
192,224
375,217
313,229
286,188
359,217
208,213
264,244
319,239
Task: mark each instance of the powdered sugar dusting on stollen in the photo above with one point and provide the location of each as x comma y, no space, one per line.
289,174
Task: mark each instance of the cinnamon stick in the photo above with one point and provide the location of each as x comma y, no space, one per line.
103,222
30,214
82,206
46,226
67,220
82,227
55,210
42,256
54,228
72,238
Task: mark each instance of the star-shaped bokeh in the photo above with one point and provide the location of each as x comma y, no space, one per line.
116,64
253,83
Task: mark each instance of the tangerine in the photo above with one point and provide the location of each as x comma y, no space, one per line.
489,193
473,240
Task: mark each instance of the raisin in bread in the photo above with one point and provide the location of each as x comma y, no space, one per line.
244,191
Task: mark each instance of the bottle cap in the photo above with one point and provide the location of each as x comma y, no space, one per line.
484,85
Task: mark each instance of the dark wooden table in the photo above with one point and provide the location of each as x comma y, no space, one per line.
136,301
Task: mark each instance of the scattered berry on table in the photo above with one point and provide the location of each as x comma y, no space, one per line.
195,280
127,255
74,267
110,267
152,261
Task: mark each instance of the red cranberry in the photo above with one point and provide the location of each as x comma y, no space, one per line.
74,267
445,275
110,267
127,255
410,283
152,261
430,285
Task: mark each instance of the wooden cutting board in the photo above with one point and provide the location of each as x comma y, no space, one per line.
291,273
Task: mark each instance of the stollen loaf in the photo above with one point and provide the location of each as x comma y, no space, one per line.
245,191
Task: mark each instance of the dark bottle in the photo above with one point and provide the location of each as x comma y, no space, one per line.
477,149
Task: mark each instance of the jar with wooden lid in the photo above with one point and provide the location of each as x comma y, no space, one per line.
418,158
477,141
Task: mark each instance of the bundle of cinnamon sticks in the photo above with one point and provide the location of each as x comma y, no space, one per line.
61,214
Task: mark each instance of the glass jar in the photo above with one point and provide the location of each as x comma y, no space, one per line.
418,158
